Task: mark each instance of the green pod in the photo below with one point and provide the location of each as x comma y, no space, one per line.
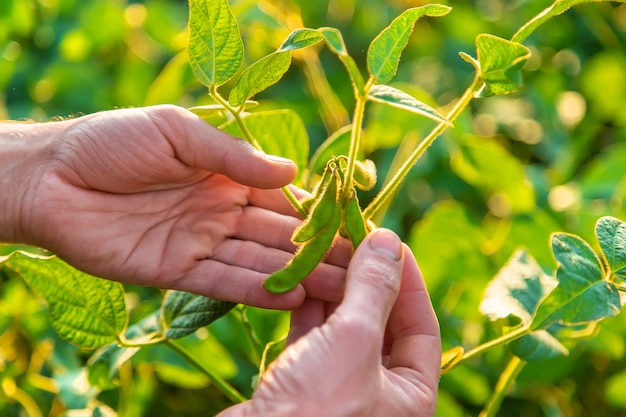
354,223
365,174
321,211
307,258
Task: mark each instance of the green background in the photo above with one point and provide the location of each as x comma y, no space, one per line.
514,170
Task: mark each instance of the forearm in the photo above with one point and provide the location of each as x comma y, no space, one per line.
22,150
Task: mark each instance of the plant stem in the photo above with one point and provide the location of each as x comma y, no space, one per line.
355,136
390,188
228,390
502,340
507,378
236,113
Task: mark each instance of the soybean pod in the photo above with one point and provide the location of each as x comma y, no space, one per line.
353,221
307,258
322,210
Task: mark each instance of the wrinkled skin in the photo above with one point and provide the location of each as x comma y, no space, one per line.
156,196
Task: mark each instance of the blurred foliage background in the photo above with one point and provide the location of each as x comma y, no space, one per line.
512,171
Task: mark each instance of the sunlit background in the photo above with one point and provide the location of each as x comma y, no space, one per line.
514,170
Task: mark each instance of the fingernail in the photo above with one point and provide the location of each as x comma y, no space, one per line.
279,159
387,243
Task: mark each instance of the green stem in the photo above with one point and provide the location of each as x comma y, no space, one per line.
390,188
502,340
236,113
507,378
228,390
355,136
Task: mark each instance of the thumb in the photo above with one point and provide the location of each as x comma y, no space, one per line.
201,145
373,279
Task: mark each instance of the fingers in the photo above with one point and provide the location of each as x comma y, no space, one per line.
240,285
373,280
200,145
413,327
311,314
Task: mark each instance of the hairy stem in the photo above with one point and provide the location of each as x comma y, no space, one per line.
355,136
391,187
507,378
499,341
227,389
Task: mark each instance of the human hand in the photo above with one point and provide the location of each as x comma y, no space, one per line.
376,354
156,196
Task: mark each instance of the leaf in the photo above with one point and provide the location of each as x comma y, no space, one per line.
103,365
301,38
257,77
215,47
486,164
557,8
383,55
501,62
183,313
85,310
397,98
582,294
279,132
539,345
335,42
515,291
611,233
271,351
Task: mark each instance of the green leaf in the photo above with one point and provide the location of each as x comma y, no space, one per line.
515,292
486,164
301,38
539,345
271,351
85,310
516,289
215,47
611,233
336,144
335,42
397,98
103,365
383,55
582,294
257,77
501,62
183,313
279,132
557,8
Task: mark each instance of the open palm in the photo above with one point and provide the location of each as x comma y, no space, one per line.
156,196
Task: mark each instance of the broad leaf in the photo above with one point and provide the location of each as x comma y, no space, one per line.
383,55
335,42
611,233
557,8
301,38
183,313
258,76
85,310
501,62
271,351
516,289
582,295
279,132
215,47
489,166
515,292
397,98
539,345
103,365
